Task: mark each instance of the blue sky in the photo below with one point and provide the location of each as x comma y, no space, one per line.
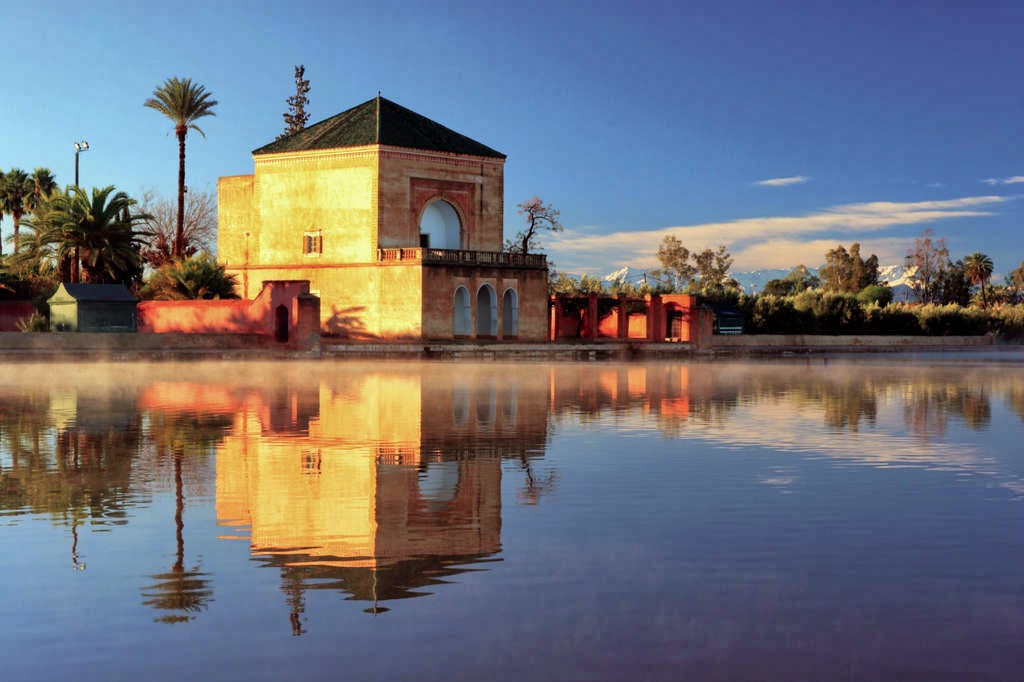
778,129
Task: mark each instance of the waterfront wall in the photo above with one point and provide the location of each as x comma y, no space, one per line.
283,311
809,343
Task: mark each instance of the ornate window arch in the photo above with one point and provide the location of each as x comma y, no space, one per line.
440,225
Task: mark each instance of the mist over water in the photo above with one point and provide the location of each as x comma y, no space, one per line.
809,519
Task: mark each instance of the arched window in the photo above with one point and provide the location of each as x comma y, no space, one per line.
460,320
509,314
486,311
440,227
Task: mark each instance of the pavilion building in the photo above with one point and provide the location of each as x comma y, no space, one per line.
395,220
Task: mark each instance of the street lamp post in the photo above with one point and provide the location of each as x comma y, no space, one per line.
80,147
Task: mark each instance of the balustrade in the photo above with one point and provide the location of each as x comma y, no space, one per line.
460,257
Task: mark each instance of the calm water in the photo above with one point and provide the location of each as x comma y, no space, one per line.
805,520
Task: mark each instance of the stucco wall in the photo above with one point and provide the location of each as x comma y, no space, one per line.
359,301
333,192
223,316
410,179
440,283
235,219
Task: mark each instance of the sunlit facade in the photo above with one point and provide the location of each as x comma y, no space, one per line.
396,222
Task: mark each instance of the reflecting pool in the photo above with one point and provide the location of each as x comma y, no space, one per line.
857,519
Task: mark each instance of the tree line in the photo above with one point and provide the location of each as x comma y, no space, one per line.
104,236
934,278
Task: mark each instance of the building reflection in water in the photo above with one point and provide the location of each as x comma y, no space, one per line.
378,484
382,483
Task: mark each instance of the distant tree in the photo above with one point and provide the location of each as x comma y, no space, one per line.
952,285
929,259
676,273
199,277
199,232
540,217
799,279
184,103
846,271
978,270
713,269
297,117
563,284
1015,281
590,284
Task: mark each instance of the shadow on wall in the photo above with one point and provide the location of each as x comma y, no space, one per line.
347,323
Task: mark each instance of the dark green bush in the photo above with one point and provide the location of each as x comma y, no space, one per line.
891,319
952,320
875,293
776,315
831,312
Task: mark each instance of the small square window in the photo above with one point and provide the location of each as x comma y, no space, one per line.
312,243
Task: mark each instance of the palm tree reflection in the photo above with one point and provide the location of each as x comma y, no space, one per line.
182,592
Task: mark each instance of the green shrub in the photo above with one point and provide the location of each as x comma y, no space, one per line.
195,278
875,293
1007,321
952,320
36,322
831,312
896,319
776,315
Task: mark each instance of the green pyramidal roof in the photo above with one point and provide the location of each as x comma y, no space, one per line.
379,121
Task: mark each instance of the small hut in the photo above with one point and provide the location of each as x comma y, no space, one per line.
92,308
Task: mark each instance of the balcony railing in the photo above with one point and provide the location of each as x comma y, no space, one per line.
458,257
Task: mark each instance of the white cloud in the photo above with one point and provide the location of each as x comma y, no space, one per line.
1012,180
771,241
782,182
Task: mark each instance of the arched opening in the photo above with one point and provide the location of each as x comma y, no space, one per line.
438,484
509,314
281,323
440,227
461,312
486,312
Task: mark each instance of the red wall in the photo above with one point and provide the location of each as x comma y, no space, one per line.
222,316
13,311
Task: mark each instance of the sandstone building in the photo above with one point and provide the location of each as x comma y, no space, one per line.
395,220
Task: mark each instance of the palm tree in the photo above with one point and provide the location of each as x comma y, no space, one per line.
90,237
45,185
978,269
183,102
15,190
